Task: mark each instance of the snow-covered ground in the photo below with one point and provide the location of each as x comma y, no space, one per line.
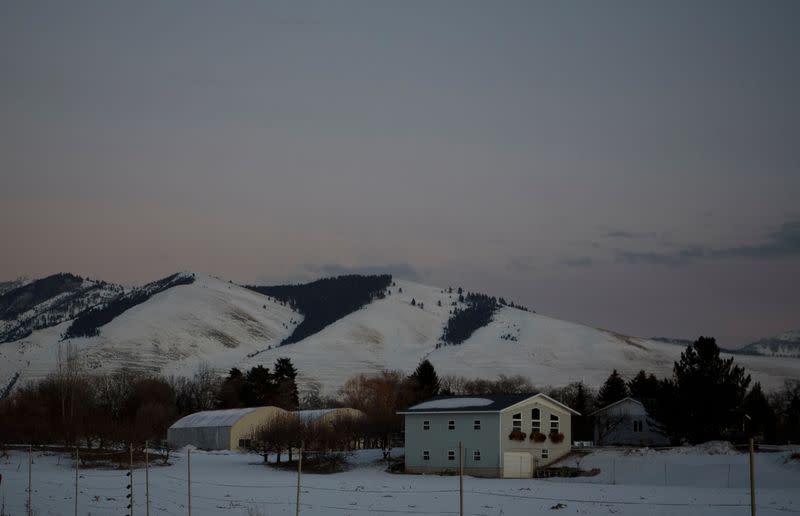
698,482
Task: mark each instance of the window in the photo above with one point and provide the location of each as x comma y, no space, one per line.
553,423
426,425
545,453
426,455
476,425
637,425
451,455
516,421
476,455
244,443
451,425
536,421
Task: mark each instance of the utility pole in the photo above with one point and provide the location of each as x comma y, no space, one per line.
461,457
130,486
146,479
299,471
752,481
189,477
30,462
77,461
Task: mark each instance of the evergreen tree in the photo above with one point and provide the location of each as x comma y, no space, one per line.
413,302
613,390
643,386
259,387
286,384
761,419
424,381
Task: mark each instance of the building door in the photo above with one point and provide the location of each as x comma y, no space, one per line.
517,465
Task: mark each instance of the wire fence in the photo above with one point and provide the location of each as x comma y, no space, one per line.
172,490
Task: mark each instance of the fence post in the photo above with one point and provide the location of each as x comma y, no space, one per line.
131,484
189,477
613,471
146,478
665,474
299,471
460,478
30,487
77,461
752,481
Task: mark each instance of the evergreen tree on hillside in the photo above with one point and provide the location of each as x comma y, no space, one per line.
286,384
424,381
613,390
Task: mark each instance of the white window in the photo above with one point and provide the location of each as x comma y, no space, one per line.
476,455
451,425
426,425
426,455
536,421
451,455
476,425
545,453
516,421
553,423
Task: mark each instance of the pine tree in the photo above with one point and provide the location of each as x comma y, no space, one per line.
761,419
286,384
612,391
413,302
643,387
424,381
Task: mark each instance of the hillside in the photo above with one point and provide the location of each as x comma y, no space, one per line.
226,325
786,344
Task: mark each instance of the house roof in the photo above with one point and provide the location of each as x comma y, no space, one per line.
603,409
476,403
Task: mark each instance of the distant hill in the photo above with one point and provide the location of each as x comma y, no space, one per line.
786,344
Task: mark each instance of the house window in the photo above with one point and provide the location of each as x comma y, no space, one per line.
553,423
637,425
536,421
516,421
426,455
476,455
426,425
545,453
451,455
451,425
244,443
476,425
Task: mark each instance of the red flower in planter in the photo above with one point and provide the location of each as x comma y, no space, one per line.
517,435
556,437
538,437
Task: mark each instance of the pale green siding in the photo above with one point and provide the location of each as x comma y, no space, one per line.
440,439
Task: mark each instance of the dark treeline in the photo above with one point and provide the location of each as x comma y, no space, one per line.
464,321
327,300
259,387
22,299
88,323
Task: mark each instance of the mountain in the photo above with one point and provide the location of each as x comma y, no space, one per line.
185,320
786,344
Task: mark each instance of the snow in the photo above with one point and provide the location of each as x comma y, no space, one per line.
229,483
452,403
213,418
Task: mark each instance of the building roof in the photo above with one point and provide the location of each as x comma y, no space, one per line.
213,418
476,403
309,416
634,400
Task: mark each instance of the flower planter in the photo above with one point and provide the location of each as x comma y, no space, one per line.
516,435
556,437
538,437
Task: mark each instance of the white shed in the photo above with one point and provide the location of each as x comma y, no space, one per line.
228,429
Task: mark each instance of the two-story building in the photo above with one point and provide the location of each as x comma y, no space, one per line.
506,435
627,423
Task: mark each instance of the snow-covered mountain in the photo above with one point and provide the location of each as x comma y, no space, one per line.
786,344
214,321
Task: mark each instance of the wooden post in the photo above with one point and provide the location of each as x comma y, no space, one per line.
299,471
30,487
460,478
752,481
189,478
146,479
76,480
131,472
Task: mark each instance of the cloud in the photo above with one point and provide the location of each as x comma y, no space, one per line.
583,261
782,243
397,270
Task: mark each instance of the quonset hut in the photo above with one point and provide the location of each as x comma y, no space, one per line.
229,429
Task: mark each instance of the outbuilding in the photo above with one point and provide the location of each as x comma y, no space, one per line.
506,435
627,423
229,429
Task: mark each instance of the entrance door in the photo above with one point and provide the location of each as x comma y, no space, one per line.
517,465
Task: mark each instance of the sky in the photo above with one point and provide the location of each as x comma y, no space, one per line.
631,165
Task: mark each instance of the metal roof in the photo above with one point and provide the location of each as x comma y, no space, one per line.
213,418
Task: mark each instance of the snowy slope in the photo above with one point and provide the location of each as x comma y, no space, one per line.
226,325
786,344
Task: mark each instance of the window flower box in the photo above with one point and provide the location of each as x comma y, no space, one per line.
556,437
538,437
517,435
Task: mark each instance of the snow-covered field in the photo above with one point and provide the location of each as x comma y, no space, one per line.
699,481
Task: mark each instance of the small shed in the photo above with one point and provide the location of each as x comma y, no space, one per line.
626,423
229,429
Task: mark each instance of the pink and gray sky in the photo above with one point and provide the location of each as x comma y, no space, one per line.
631,165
